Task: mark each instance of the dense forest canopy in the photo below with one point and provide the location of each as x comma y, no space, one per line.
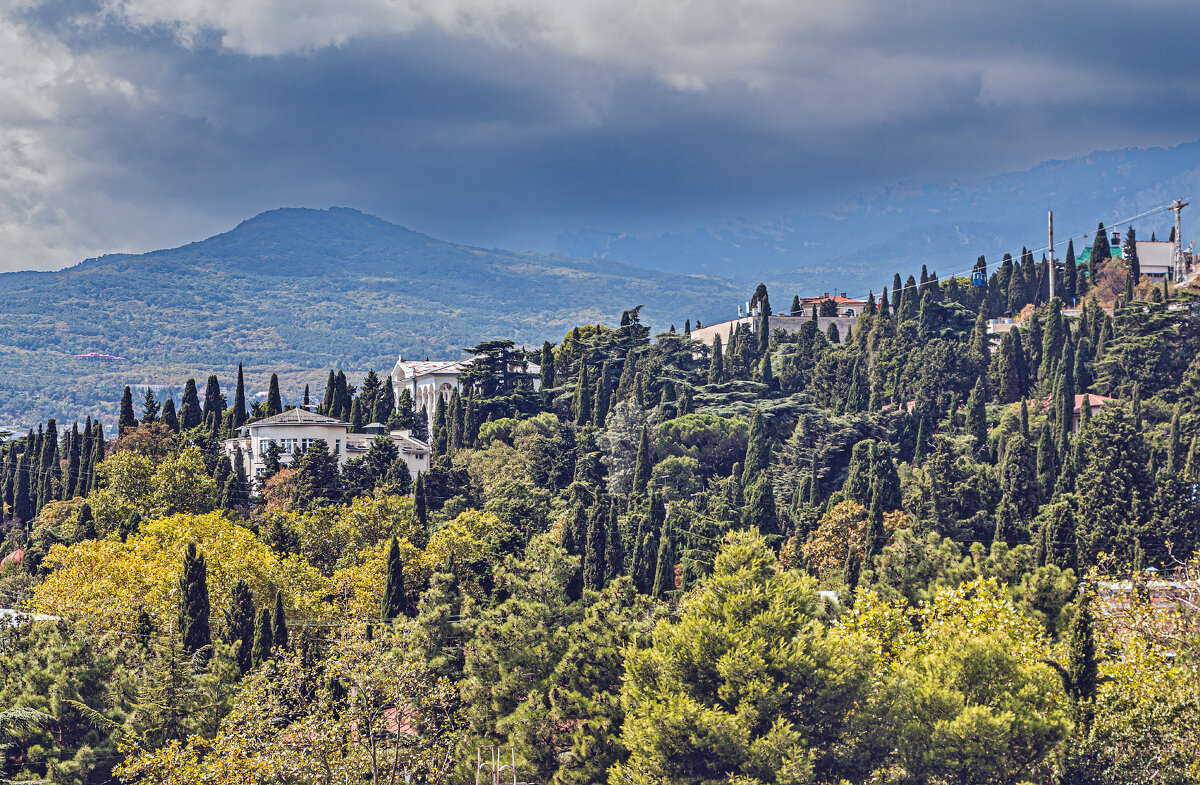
905,554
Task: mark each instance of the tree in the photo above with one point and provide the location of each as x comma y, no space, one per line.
127,419
977,417
85,524
595,568
716,365
274,402
239,400
1099,255
239,624
214,401
546,363
643,464
189,409
806,682
582,404
394,602
317,480
1082,669
1070,279
758,450
193,601
1131,256
150,408
279,630
264,640
760,507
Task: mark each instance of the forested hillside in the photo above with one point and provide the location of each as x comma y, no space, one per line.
294,292
890,556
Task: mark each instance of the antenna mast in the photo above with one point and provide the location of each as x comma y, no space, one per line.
1051,265
1178,206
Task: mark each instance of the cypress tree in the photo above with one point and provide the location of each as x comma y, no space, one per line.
127,419
664,570
547,366
308,400
1082,668
603,396
193,607
385,402
239,622
420,508
716,365
1100,254
279,629
582,405
189,409
394,604
1053,338
1173,443
214,402
1047,461
356,416
643,464
614,554
645,553
342,397
239,400
23,502
274,404
833,334
764,329
594,565
74,461
85,525
1070,278
169,417
758,450
327,401
795,310
765,374
876,534
440,438
761,510
93,476
977,417
263,639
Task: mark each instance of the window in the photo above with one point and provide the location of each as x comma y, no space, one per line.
306,444
288,445
337,446
264,445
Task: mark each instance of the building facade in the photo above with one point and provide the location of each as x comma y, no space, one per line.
296,430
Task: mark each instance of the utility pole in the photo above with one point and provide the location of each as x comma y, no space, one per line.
1051,265
1178,206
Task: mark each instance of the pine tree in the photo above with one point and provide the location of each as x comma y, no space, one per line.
150,408
279,621
263,639
239,624
643,464
239,400
193,603
394,604
127,419
190,414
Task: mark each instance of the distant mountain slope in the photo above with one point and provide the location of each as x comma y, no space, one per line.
298,291
944,225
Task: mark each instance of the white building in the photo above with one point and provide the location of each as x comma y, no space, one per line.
426,380
295,430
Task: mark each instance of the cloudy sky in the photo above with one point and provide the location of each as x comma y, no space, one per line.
137,124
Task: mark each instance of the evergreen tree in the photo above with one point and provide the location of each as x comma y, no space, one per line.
546,361
150,408
74,461
263,639
193,602
239,624
977,417
317,481
214,401
385,402
716,365
23,502
1082,669
329,399
664,570
643,464
239,400
274,403
128,419
1099,255
595,568
189,409
758,450
394,603
603,396
169,417
279,623
1131,256
582,403
765,374
645,553
761,511
85,525
420,507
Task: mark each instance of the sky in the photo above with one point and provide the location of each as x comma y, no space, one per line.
130,125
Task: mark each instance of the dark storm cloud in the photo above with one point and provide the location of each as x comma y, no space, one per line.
507,128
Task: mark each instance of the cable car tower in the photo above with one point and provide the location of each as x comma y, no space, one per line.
1180,272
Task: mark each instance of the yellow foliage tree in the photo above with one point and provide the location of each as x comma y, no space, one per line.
108,582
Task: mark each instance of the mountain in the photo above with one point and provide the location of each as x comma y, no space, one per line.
945,225
298,291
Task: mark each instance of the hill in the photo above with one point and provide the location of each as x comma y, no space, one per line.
298,291
944,225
